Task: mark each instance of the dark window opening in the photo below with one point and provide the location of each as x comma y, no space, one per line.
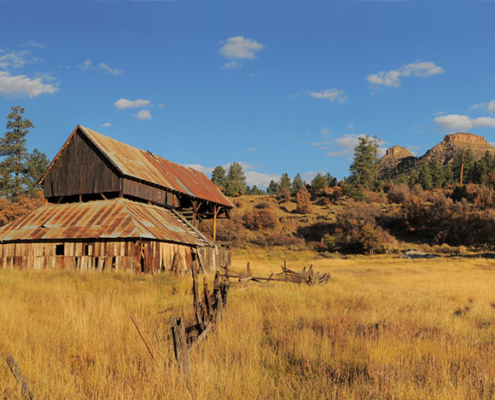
86,249
77,262
96,262
59,250
114,265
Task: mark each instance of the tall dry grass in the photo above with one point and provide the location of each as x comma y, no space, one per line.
382,328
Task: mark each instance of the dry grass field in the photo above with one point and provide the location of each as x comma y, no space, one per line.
381,328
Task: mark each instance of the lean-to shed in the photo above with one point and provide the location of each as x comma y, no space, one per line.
113,206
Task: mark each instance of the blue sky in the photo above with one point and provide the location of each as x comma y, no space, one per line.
280,86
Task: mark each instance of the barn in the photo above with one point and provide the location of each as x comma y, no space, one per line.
112,206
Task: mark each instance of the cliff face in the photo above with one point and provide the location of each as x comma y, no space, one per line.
396,159
445,151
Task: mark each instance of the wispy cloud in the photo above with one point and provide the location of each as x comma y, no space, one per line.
21,85
346,143
232,65
392,78
33,43
143,115
88,64
13,59
456,122
326,133
330,95
106,125
240,47
252,150
490,107
122,104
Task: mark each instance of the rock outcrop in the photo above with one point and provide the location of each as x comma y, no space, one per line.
396,160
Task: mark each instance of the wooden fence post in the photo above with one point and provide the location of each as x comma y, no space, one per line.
16,371
180,345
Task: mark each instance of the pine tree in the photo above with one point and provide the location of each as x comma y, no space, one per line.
303,200
219,177
482,169
236,180
37,163
318,184
14,172
425,178
297,184
332,181
437,176
285,182
273,188
363,169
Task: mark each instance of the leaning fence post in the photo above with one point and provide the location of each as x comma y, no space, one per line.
180,344
16,371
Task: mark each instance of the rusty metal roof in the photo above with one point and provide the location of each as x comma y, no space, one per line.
103,219
148,167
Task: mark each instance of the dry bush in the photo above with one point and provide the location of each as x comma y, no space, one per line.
303,200
278,239
334,193
357,230
263,205
284,195
260,219
398,194
11,211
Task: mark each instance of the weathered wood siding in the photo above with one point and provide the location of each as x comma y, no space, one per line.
120,255
80,170
150,193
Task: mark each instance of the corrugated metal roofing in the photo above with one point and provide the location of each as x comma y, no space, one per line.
103,219
148,167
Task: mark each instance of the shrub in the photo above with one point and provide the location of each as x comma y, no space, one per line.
303,200
263,205
398,194
260,219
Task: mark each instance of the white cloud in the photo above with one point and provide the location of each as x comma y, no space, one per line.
143,114
106,125
122,104
345,145
490,107
88,64
241,48
393,78
232,65
321,145
325,132
330,95
109,70
21,85
350,127
33,43
161,105
252,150
456,122
14,59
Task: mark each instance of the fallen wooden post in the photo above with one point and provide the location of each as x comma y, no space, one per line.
151,349
16,371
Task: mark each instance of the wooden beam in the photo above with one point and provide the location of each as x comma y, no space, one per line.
215,212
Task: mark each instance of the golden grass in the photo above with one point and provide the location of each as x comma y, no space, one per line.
382,328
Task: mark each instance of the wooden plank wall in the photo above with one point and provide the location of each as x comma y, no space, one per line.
80,170
129,256
149,193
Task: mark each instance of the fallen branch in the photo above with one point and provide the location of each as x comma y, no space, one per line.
16,371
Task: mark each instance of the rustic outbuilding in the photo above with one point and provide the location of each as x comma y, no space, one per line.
111,206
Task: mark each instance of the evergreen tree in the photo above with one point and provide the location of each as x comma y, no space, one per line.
297,184
436,174
219,177
363,168
332,181
37,163
256,191
273,188
318,184
465,157
15,180
236,180
482,169
448,175
285,181
425,178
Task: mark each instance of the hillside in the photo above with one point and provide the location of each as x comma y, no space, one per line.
398,160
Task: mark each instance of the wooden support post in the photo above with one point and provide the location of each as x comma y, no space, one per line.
16,371
146,340
215,212
207,300
180,345
196,304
